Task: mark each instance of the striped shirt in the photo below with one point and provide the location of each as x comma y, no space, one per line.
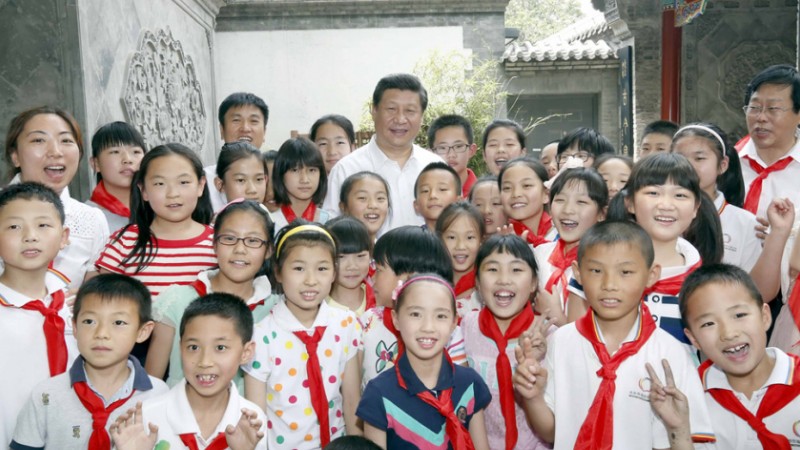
175,261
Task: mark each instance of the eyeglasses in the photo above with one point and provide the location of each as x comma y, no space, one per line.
445,149
583,156
770,111
250,242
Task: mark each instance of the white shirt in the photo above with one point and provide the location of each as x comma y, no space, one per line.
572,383
742,247
173,416
542,254
733,432
280,362
218,198
23,351
400,179
782,183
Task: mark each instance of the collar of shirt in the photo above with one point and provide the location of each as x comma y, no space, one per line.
379,158
415,386
261,286
781,373
52,283
749,150
137,379
690,255
289,322
630,337
181,417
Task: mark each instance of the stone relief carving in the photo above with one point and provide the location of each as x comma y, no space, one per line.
742,63
163,97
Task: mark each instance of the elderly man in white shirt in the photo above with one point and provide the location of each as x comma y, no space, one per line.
398,103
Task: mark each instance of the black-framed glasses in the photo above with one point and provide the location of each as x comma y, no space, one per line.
770,111
583,156
250,242
445,149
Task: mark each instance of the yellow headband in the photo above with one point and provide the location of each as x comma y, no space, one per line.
300,229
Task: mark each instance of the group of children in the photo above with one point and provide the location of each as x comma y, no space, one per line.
563,302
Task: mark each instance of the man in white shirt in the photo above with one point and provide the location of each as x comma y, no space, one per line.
398,103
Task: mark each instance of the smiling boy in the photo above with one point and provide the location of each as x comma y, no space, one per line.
437,186
451,137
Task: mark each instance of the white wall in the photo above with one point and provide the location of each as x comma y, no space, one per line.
305,74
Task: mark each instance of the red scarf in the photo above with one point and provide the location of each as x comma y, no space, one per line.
456,432
560,261
671,285
597,430
99,439
468,183
489,328
387,322
369,294
190,441
777,397
53,329
103,198
465,283
202,290
319,400
308,214
538,238
754,193
794,302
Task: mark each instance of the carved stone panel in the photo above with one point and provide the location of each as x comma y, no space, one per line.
162,96
742,63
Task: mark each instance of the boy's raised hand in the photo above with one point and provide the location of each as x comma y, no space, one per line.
537,338
128,431
667,400
530,378
247,432
780,214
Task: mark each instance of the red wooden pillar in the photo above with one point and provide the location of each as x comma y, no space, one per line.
670,67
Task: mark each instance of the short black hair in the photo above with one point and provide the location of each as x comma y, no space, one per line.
350,234
720,274
506,243
504,123
31,190
780,74
439,165
224,306
350,181
295,153
115,134
352,443
238,99
595,186
410,249
403,82
450,120
612,232
338,120
114,286
586,139
234,151
664,127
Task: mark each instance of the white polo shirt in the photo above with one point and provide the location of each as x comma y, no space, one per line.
23,351
173,416
734,433
742,247
572,383
400,179
782,183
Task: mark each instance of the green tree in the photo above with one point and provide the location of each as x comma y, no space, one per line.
537,19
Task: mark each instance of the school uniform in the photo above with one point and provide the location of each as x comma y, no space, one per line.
401,180
742,246
24,349
55,417
381,347
735,433
168,309
408,421
176,422
280,362
573,381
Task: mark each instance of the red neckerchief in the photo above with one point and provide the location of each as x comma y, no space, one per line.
597,430
671,285
456,432
537,238
99,440
467,185
190,441
369,295
202,290
560,261
387,322
754,193
53,329
103,198
319,400
465,283
489,328
794,302
777,396
308,214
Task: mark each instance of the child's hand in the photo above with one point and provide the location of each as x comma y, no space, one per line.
762,229
780,214
530,378
667,400
128,431
507,230
247,432
550,307
537,339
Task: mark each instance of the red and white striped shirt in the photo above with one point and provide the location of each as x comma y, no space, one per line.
175,261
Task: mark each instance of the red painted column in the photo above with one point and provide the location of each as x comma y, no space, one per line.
670,67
